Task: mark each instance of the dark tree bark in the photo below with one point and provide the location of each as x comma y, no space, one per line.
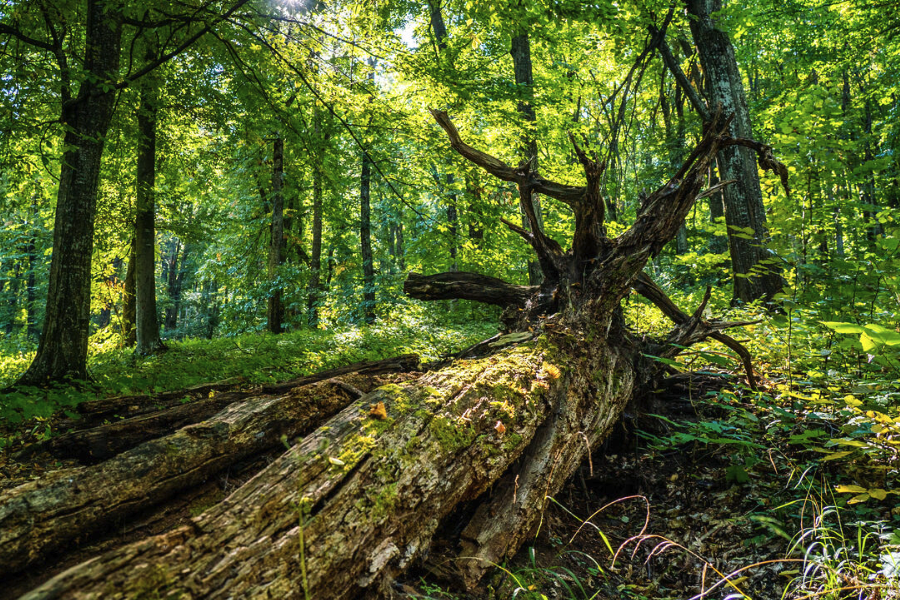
174,275
365,241
757,274
129,305
440,36
12,301
32,328
62,352
675,141
147,340
365,230
274,306
314,288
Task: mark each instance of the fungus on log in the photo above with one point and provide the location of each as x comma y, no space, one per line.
354,503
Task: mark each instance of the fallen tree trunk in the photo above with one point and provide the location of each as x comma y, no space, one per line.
446,438
357,501
101,442
42,517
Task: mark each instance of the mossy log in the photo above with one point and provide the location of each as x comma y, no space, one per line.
138,419
43,517
357,501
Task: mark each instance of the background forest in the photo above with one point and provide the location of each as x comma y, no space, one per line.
272,169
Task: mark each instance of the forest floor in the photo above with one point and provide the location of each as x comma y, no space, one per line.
705,490
722,495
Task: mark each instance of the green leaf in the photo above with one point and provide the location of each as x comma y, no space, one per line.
844,327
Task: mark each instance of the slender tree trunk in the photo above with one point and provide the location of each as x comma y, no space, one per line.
440,35
129,305
13,299
365,230
62,352
174,280
32,329
314,287
365,235
675,142
520,50
274,306
757,274
211,307
146,322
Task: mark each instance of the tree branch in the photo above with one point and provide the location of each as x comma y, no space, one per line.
690,330
568,194
467,286
680,77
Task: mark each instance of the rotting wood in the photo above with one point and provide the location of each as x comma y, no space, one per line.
103,441
42,517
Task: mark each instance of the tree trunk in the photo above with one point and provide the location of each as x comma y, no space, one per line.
147,340
440,35
129,306
357,501
62,352
211,308
43,517
757,274
13,299
520,49
315,266
274,306
174,280
365,241
32,330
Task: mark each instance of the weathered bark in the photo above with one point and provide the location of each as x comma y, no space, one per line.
467,286
359,500
39,518
94,413
146,322
520,50
274,306
62,352
757,274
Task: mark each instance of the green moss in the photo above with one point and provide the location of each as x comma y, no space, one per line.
353,449
384,502
512,442
451,434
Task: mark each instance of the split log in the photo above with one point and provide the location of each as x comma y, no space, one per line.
104,441
359,500
42,517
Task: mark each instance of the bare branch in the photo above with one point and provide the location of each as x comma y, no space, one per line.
568,194
466,286
694,327
765,157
